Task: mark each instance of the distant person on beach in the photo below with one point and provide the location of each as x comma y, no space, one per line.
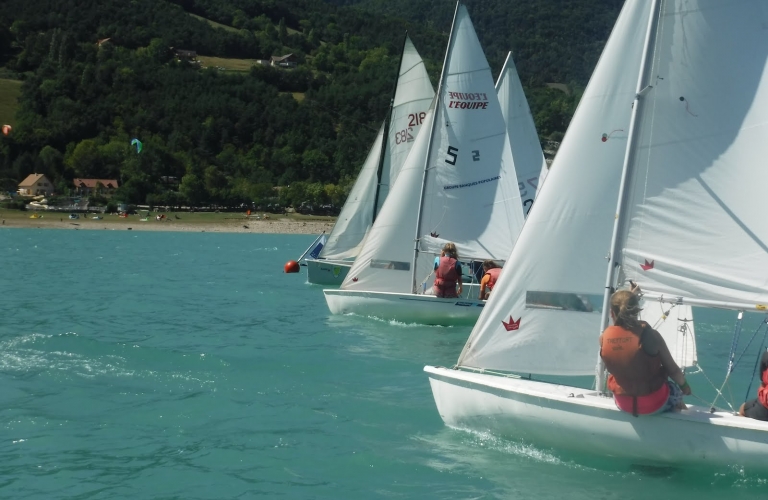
639,361
758,408
447,273
491,272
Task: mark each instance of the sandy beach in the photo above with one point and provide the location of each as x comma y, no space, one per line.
183,221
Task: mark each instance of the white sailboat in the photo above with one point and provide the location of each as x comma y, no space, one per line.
458,184
530,165
673,125
412,96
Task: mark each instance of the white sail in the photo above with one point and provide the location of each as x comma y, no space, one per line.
357,213
412,97
675,324
697,203
559,261
529,160
462,173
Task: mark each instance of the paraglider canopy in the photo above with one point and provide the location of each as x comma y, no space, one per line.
7,129
138,145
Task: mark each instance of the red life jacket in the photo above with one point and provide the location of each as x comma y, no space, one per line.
446,277
632,371
493,275
762,392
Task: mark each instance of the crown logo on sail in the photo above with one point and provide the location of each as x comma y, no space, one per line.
647,265
512,325
354,279
434,234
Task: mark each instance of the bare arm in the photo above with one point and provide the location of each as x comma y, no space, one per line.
655,342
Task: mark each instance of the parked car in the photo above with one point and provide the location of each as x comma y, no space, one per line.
74,216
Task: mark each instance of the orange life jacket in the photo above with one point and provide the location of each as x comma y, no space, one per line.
493,275
632,371
762,392
446,275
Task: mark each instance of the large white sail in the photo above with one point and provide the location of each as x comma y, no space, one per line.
543,316
357,213
463,175
412,97
696,208
524,141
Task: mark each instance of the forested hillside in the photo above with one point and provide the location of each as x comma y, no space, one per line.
98,73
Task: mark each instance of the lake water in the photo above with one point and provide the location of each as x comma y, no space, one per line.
187,365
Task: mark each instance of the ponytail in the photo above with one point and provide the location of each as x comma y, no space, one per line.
625,307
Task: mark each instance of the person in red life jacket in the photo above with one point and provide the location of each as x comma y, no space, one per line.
448,273
758,408
639,361
490,277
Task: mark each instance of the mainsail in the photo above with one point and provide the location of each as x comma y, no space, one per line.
458,183
524,142
412,97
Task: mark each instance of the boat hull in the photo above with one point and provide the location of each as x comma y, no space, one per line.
327,272
406,307
572,419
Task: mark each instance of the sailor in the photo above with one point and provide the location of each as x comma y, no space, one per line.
491,273
447,272
639,361
758,408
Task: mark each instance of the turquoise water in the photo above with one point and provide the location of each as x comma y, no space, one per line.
187,365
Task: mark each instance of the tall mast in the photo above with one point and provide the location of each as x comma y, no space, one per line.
643,87
429,147
385,142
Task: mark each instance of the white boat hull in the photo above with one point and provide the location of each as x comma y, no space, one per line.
407,307
572,419
327,272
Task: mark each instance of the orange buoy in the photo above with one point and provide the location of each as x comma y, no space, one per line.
291,266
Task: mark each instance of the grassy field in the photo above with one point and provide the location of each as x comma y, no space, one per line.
228,64
230,28
214,23
10,90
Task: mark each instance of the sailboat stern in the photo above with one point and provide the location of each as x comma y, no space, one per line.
580,421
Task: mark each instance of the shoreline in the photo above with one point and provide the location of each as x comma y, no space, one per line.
215,224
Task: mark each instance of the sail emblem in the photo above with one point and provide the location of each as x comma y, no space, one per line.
605,137
647,265
354,279
512,325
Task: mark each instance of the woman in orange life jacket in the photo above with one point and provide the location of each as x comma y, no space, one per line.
492,272
447,272
758,408
639,361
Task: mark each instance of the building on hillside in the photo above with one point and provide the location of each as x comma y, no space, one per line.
185,55
84,187
286,61
35,185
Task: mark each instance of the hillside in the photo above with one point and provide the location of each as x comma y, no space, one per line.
98,73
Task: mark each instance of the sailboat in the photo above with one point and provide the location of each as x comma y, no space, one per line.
660,171
530,165
412,96
457,185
